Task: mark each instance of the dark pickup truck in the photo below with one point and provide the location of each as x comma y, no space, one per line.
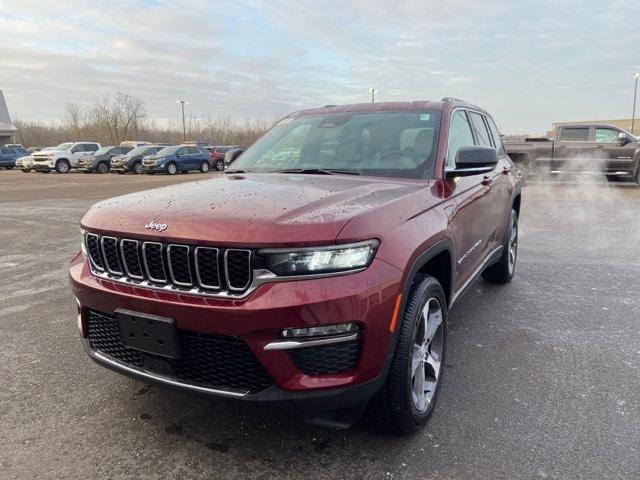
597,149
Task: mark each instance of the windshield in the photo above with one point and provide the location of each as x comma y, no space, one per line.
385,144
169,150
64,146
145,150
103,150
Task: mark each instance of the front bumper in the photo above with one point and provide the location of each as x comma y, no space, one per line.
367,298
162,167
44,165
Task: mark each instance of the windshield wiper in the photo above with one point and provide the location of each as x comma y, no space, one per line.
318,171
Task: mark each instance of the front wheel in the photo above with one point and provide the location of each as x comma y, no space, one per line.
63,166
172,169
220,165
204,167
102,167
409,395
26,171
9,167
502,272
137,168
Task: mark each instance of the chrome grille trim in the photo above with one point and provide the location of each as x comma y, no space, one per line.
169,262
226,269
91,260
124,258
105,257
146,264
197,265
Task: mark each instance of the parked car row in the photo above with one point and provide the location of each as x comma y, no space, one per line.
131,156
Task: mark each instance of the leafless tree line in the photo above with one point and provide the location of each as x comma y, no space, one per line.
112,119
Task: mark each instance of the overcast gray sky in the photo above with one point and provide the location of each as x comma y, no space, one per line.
529,63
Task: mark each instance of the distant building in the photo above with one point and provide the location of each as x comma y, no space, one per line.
625,124
7,129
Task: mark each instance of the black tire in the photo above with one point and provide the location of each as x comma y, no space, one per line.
637,179
26,171
120,172
137,168
10,167
503,271
151,173
204,167
396,401
63,166
102,167
219,165
172,168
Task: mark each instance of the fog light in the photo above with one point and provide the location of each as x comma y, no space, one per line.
321,331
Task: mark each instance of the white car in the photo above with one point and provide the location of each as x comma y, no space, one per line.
25,163
64,157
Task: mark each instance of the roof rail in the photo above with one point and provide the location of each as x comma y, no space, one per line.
452,99
328,106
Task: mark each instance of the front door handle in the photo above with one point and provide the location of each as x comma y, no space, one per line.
506,170
486,180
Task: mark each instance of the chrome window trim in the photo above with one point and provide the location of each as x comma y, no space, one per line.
146,266
290,344
197,264
173,278
91,262
104,255
226,269
124,258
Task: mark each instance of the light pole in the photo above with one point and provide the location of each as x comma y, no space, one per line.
635,93
373,92
184,128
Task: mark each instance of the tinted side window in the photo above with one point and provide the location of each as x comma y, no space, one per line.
7,151
90,147
482,134
459,135
194,150
575,134
495,133
606,135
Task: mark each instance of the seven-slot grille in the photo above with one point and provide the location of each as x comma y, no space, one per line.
184,267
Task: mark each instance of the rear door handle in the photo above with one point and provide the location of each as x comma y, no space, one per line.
506,170
487,180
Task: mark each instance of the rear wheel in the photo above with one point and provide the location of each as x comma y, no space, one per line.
219,165
102,167
137,168
10,167
502,272
172,168
409,395
637,179
63,166
26,171
204,167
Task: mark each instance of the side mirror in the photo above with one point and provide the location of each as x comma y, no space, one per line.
623,139
473,161
232,155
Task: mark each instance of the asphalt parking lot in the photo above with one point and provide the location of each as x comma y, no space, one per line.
542,376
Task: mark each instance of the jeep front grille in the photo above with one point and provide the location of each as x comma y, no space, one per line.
179,267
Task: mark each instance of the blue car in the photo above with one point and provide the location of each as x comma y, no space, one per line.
178,158
9,155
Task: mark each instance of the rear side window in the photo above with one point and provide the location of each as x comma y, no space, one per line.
459,135
574,134
90,147
7,151
194,150
606,135
481,129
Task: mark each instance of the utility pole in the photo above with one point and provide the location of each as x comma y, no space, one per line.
373,92
184,127
635,94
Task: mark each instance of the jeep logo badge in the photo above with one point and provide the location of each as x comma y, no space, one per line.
161,227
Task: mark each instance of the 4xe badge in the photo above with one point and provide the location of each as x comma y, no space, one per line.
161,227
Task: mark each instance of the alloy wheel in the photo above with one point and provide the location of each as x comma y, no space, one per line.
137,168
513,245
426,355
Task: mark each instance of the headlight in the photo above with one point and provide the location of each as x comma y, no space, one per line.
317,260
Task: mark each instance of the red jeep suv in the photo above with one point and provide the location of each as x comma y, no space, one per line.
318,271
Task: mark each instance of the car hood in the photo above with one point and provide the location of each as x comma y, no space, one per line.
259,209
50,152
